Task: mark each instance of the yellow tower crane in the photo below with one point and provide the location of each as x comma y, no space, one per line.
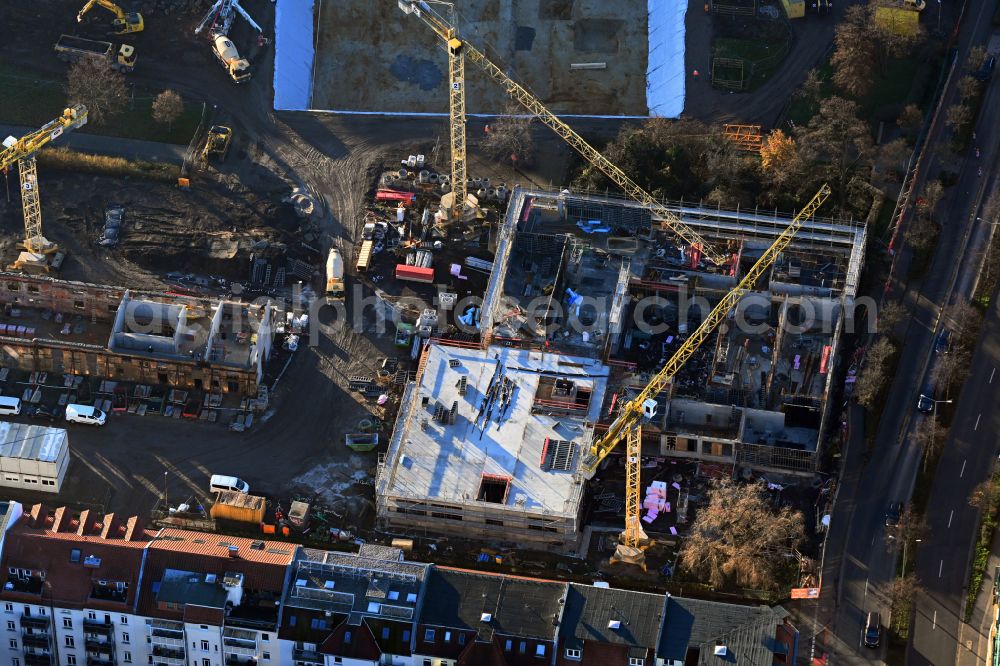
458,49
628,424
124,23
22,151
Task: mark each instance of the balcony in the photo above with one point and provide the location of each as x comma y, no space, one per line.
99,661
167,634
234,660
35,659
30,585
36,640
98,627
168,655
239,642
40,621
95,645
307,656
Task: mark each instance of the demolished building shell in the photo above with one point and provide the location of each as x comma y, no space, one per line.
755,395
78,328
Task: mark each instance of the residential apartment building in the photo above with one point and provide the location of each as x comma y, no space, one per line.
104,590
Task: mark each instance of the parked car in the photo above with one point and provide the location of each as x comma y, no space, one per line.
873,630
985,70
114,216
925,403
85,414
942,342
43,413
892,514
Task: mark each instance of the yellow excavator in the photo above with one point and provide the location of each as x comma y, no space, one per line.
124,23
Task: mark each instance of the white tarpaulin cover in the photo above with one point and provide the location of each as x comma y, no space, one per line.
293,54
665,68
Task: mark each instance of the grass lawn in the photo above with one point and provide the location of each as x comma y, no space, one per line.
34,100
760,57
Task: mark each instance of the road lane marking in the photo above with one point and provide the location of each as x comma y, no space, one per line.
940,568
934,621
950,516
991,375
976,427
961,473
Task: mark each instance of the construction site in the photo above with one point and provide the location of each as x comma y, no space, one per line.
580,57
588,298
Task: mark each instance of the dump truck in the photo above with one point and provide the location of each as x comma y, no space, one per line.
70,49
228,55
334,275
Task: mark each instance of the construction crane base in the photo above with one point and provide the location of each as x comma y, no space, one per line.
634,556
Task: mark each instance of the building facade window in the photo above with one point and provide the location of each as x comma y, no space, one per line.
124,619
127,657
67,623
573,654
636,661
70,641
70,660
204,646
13,644
429,635
11,626
124,638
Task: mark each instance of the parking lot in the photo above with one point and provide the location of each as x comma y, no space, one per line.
294,449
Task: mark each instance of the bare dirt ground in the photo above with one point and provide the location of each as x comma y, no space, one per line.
297,448
372,57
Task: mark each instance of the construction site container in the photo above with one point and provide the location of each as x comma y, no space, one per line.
298,515
414,273
794,8
231,505
396,195
365,256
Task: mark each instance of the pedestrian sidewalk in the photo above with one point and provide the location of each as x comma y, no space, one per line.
974,638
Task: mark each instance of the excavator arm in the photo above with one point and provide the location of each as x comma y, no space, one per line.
449,34
644,404
124,23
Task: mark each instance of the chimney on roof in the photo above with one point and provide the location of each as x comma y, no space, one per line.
134,528
39,512
234,551
86,522
109,524
59,518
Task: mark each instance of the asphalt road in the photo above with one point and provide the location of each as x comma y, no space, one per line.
860,560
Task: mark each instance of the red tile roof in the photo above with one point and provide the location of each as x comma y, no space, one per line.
36,543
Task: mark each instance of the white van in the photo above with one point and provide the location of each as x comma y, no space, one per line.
220,482
85,414
10,406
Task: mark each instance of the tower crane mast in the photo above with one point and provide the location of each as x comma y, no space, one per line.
459,49
628,424
22,151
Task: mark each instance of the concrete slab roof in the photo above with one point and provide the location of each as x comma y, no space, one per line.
505,439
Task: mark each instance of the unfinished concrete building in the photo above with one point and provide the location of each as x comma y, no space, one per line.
126,335
489,443
590,295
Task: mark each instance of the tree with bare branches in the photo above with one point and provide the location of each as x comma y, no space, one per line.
854,54
890,316
926,436
167,107
509,138
93,83
873,376
902,592
738,540
910,120
986,495
957,116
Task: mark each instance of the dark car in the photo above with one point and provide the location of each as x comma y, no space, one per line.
43,413
114,215
941,345
873,630
892,514
985,70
